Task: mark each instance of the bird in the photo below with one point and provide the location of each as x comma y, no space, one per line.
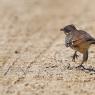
79,41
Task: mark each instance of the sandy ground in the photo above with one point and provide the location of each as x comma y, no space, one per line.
33,58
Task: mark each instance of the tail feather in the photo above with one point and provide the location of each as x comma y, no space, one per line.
91,41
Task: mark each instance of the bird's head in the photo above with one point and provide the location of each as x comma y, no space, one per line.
68,29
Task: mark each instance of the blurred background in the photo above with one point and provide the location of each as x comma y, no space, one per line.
33,58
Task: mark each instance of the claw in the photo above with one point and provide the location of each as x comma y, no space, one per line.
73,59
75,56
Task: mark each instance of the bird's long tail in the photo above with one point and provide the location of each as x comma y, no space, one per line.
91,41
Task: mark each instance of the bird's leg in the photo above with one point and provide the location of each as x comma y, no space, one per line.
75,56
85,58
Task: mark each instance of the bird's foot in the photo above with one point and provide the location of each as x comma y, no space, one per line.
75,56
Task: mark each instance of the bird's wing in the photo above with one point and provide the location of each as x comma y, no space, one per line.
85,35
81,37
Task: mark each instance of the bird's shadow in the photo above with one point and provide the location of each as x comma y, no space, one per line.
88,69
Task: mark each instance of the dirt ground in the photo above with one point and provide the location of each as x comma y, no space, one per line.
33,58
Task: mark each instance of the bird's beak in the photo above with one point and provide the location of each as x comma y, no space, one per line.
61,29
